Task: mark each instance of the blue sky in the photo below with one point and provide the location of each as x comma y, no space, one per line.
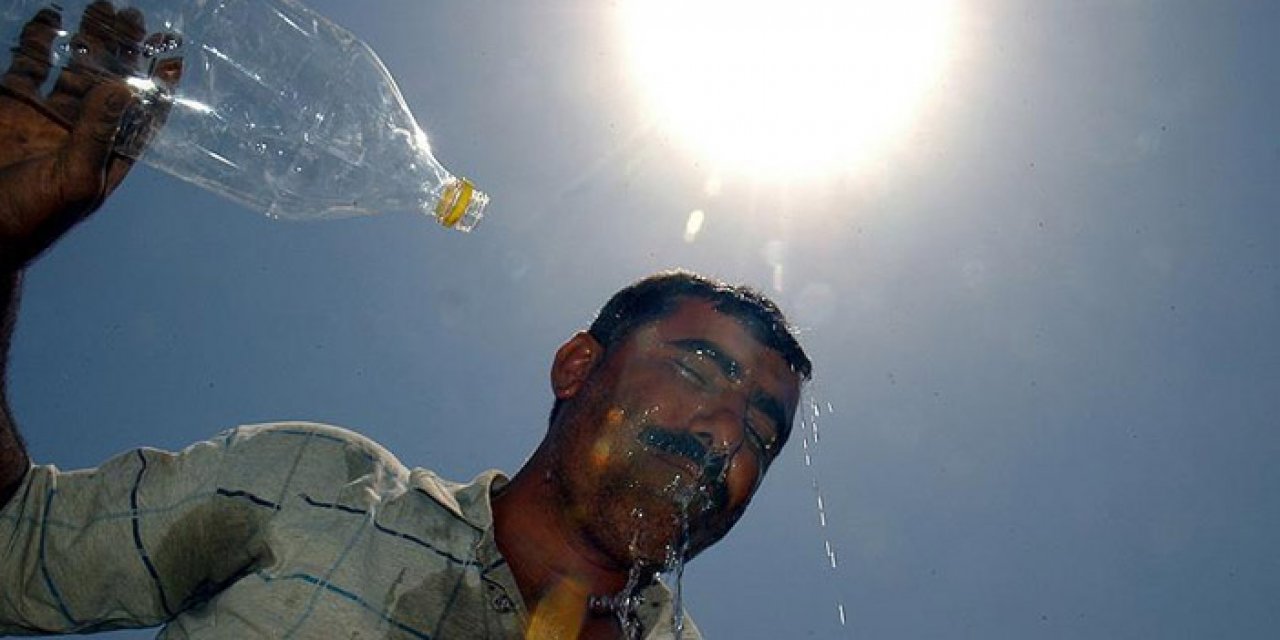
1044,318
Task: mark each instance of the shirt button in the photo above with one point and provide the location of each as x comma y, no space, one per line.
502,603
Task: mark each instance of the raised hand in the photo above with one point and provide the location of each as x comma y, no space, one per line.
56,160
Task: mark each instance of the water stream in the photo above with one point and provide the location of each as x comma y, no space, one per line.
625,603
810,437
691,501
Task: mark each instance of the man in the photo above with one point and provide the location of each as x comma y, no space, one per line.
668,412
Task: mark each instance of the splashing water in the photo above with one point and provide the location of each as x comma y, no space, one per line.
626,612
693,497
809,421
692,501
675,566
624,603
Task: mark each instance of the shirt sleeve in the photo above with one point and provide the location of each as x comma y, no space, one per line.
150,533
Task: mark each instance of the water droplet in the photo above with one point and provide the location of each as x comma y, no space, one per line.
676,556
170,42
809,433
623,604
160,45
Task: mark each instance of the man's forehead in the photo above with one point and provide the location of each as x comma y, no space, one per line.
697,322
698,316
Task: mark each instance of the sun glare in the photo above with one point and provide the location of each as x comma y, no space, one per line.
789,89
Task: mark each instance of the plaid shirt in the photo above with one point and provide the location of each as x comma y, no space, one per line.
281,530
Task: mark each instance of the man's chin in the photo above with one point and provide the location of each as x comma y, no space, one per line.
666,533
661,517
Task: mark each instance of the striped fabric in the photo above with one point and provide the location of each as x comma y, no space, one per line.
269,531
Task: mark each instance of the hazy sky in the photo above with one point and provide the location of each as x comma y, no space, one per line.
1045,316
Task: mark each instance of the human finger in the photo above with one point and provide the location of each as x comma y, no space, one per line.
166,71
98,23
97,43
33,56
131,27
92,50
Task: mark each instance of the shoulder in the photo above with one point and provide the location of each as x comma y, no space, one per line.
294,434
308,449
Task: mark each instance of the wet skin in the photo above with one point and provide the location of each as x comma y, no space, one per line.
677,423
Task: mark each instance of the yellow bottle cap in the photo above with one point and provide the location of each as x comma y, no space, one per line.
454,201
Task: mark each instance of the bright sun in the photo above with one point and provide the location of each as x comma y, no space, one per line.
787,88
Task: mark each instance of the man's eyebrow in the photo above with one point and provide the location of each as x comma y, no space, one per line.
730,367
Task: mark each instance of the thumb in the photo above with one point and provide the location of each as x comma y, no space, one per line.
89,148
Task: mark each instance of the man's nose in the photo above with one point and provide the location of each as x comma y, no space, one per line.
720,428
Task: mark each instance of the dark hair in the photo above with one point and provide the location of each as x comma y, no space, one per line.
657,296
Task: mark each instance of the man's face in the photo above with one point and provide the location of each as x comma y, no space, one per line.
668,438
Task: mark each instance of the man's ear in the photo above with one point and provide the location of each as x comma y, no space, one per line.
575,360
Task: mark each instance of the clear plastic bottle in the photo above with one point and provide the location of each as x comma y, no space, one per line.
277,108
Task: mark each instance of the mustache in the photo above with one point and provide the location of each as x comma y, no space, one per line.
686,445
680,443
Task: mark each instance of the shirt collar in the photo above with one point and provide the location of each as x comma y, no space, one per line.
469,501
